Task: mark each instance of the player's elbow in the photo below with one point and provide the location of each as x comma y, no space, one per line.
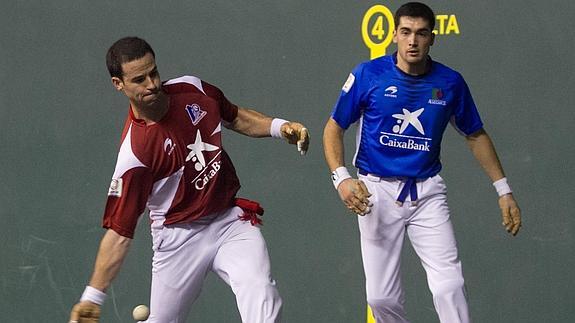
116,240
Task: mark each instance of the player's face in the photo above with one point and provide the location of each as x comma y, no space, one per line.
140,82
413,37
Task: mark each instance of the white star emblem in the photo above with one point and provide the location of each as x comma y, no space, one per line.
408,118
197,149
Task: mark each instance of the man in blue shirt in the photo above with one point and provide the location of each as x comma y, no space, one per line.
403,103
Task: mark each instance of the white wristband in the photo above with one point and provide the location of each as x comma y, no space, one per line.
93,295
502,187
276,127
339,175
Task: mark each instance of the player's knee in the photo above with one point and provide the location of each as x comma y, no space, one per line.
258,288
269,290
260,298
449,289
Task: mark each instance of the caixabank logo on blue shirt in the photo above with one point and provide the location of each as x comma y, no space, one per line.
398,139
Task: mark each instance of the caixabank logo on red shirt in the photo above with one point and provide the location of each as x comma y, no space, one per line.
207,168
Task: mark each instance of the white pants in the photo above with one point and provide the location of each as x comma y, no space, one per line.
233,249
431,234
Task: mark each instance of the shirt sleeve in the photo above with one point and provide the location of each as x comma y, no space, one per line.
228,110
348,107
127,199
465,118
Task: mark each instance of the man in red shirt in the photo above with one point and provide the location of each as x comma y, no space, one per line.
171,161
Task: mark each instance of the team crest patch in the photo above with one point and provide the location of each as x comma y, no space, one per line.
195,112
437,97
115,187
436,94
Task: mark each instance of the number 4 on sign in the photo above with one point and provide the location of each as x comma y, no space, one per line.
374,36
378,28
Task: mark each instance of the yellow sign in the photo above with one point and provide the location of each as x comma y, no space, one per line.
447,25
381,31
377,28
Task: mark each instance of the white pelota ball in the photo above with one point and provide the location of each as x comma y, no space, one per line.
141,313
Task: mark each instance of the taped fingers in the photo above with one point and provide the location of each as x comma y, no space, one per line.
357,206
296,134
303,141
364,188
510,213
506,216
363,194
511,219
516,219
85,312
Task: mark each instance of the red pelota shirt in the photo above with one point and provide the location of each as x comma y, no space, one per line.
177,168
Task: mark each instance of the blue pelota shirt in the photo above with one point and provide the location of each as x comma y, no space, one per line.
402,118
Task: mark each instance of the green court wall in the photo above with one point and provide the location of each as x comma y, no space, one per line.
62,119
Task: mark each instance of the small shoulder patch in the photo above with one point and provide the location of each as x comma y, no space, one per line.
115,187
349,83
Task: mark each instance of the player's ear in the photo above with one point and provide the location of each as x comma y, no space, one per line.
118,83
394,38
432,38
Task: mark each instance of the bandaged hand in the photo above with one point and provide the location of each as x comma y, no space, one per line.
355,196
510,213
85,312
296,134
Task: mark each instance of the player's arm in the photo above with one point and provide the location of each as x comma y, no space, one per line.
255,124
484,151
353,192
111,254
113,249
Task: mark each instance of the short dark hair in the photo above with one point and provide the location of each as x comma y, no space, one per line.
126,50
415,9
